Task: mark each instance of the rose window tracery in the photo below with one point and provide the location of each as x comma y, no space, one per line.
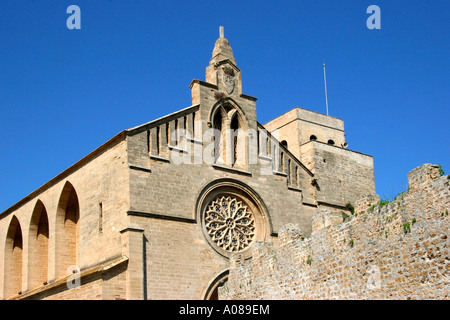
229,223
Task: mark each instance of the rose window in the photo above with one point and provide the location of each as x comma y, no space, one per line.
229,223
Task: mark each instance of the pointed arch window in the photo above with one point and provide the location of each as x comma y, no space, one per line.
235,140
218,137
229,136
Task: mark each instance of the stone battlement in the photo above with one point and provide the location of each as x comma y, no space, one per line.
395,250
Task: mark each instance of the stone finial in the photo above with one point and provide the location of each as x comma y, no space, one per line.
222,70
222,49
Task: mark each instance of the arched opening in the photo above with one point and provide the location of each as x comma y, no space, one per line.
13,259
38,246
212,292
167,133
284,144
331,142
175,133
313,138
67,230
230,131
289,171
218,137
157,141
237,141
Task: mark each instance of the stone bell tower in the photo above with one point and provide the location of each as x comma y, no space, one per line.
223,106
222,70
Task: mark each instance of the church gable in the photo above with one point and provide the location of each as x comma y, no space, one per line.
220,130
172,158
180,195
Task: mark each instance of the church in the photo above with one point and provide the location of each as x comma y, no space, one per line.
157,211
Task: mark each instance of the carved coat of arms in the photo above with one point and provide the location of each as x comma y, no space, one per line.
228,79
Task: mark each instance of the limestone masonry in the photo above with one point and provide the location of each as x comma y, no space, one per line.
399,250
173,208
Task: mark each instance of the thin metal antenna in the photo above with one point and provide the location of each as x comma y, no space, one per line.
325,80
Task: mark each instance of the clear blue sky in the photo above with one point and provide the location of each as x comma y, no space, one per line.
65,92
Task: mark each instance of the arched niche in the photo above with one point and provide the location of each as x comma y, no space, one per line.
13,259
67,230
38,242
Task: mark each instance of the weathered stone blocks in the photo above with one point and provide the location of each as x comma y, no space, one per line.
372,256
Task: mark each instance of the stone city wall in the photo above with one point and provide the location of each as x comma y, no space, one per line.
395,250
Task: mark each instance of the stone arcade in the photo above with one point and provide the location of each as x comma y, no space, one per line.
157,211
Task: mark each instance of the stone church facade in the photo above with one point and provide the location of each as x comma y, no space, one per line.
157,211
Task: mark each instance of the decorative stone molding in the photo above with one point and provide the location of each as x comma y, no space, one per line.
232,217
229,223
